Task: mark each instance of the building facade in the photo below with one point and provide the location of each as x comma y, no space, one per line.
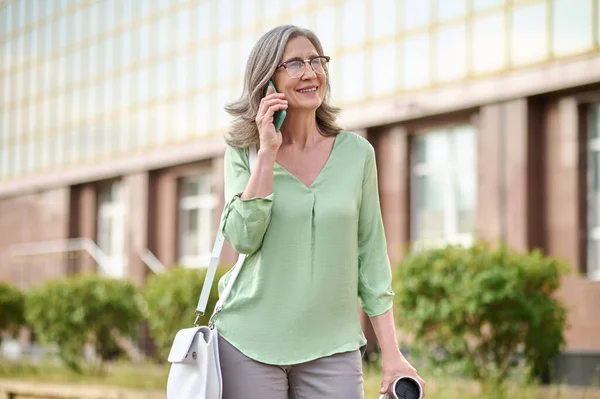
485,117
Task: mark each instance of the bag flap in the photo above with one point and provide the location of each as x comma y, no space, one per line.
181,344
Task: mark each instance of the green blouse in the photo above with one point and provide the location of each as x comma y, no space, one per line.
312,253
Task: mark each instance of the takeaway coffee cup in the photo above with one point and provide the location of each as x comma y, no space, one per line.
404,387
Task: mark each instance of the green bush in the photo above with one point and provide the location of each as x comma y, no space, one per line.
171,299
482,309
12,302
83,309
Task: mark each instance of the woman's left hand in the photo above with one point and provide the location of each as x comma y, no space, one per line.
395,365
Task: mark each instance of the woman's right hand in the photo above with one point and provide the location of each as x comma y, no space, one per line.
270,140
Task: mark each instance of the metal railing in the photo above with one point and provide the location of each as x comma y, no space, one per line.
86,245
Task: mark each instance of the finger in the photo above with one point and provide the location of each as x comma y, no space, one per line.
385,384
270,103
272,109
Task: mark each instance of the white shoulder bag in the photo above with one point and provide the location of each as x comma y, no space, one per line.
195,369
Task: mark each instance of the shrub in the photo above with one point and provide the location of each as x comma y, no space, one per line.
83,309
482,308
12,302
171,299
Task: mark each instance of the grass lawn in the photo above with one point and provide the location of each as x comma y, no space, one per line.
153,377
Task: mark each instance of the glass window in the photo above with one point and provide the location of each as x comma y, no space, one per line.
572,31
326,28
247,12
384,69
90,59
142,77
125,52
272,10
489,43
417,13
225,16
197,212
203,67
182,73
202,20
142,127
5,19
124,11
451,61
19,14
162,78
201,111
111,237
352,67
384,21
299,18
593,195
107,14
416,61
444,192
451,9
222,117
164,35
4,154
246,43
161,123
528,36
31,45
224,55
182,113
353,24
483,4
144,41
183,33
93,19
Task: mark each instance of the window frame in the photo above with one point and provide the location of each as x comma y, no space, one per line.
591,146
204,203
452,169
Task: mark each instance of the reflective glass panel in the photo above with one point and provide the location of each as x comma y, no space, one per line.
572,30
451,9
202,20
416,61
384,69
417,13
353,31
325,28
528,36
451,61
429,204
384,14
489,44
353,76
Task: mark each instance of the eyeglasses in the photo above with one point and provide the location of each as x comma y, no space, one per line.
296,67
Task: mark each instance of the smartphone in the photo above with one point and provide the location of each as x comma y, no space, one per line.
279,116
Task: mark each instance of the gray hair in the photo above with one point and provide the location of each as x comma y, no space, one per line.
262,63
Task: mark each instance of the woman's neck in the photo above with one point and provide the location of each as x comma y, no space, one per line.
300,129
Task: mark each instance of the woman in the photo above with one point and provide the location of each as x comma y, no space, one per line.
308,217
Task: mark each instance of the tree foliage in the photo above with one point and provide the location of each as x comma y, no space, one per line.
12,302
83,309
482,308
171,299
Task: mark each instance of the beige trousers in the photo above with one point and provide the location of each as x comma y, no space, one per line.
333,377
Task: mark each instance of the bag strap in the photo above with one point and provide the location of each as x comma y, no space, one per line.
214,262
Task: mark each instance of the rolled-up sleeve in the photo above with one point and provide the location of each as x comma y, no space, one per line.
244,222
375,276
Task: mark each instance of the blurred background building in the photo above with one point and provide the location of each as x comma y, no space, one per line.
483,113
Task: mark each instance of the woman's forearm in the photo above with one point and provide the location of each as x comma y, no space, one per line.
260,183
385,329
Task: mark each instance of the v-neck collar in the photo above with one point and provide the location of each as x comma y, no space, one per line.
325,165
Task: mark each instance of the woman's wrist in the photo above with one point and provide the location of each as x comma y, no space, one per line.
266,155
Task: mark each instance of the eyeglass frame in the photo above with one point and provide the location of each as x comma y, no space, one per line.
310,60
